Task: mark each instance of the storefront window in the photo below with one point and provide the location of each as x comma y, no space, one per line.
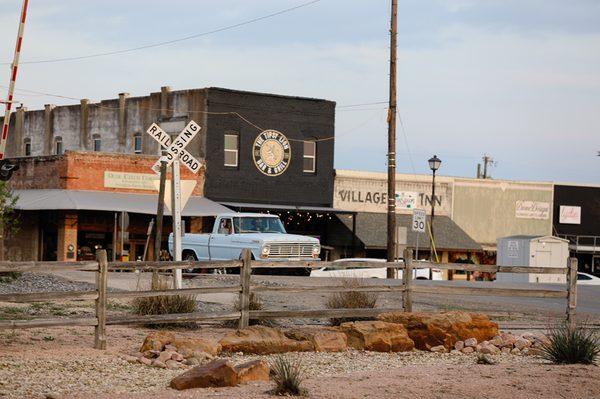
310,157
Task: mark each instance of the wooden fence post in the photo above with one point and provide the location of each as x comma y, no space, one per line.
571,292
245,273
407,276
101,285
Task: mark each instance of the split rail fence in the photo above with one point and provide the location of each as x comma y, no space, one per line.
245,287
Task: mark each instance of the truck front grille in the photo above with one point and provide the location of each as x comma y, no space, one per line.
290,250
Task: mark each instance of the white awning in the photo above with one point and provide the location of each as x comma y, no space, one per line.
30,200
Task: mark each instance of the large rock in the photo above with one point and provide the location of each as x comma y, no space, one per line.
322,339
432,329
262,340
377,336
191,345
157,341
255,370
218,373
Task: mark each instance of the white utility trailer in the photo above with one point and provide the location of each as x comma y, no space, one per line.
535,251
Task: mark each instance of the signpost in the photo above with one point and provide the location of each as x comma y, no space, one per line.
176,153
418,226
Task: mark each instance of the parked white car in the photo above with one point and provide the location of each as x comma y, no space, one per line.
587,279
366,272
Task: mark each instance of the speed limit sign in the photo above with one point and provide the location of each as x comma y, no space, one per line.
418,220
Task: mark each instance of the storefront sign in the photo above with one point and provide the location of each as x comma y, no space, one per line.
271,152
570,215
532,210
370,195
406,199
137,181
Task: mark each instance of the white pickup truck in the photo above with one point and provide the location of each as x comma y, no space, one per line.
263,234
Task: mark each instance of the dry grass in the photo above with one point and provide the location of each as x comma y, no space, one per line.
351,300
255,304
171,304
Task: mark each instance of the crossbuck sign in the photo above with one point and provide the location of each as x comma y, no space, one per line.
176,153
176,149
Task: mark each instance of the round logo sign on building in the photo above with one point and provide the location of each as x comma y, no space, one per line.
271,152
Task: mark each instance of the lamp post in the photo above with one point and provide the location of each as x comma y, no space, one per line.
434,165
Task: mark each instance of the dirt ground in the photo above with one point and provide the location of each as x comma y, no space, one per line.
427,382
61,362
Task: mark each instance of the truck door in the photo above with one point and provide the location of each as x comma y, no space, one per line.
221,240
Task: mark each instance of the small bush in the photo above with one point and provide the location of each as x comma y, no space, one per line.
351,300
288,377
571,345
255,304
7,277
164,304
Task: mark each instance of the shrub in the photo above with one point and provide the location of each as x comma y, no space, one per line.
255,304
351,300
288,377
7,277
569,345
156,305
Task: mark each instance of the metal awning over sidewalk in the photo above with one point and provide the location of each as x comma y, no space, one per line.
56,199
371,230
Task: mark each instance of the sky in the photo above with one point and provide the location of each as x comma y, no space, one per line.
518,80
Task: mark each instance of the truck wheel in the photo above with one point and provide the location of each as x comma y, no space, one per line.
189,256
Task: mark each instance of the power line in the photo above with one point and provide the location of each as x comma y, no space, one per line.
173,41
237,114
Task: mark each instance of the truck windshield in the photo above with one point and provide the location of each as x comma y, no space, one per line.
258,225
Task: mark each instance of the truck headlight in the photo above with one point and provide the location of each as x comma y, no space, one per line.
265,251
316,250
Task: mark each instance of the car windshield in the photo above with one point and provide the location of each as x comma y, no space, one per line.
257,224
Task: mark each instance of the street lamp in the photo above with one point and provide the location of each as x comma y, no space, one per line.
434,165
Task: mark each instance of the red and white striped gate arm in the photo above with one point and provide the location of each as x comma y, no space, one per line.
13,78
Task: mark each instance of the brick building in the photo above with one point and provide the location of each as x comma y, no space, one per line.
73,156
70,205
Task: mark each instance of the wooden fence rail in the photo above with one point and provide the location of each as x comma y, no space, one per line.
245,288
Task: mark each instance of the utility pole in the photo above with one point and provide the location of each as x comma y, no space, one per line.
391,194
486,160
159,220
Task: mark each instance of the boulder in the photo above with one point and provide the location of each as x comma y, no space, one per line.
159,364
262,340
459,345
145,360
438,349
468,349
508,340
323,340
157,340
164,356
377,336
173,365
218,373
471,343
433,329
190,345
255,370
522,343
489,349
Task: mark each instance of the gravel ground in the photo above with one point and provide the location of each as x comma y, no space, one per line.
32,366
37,282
